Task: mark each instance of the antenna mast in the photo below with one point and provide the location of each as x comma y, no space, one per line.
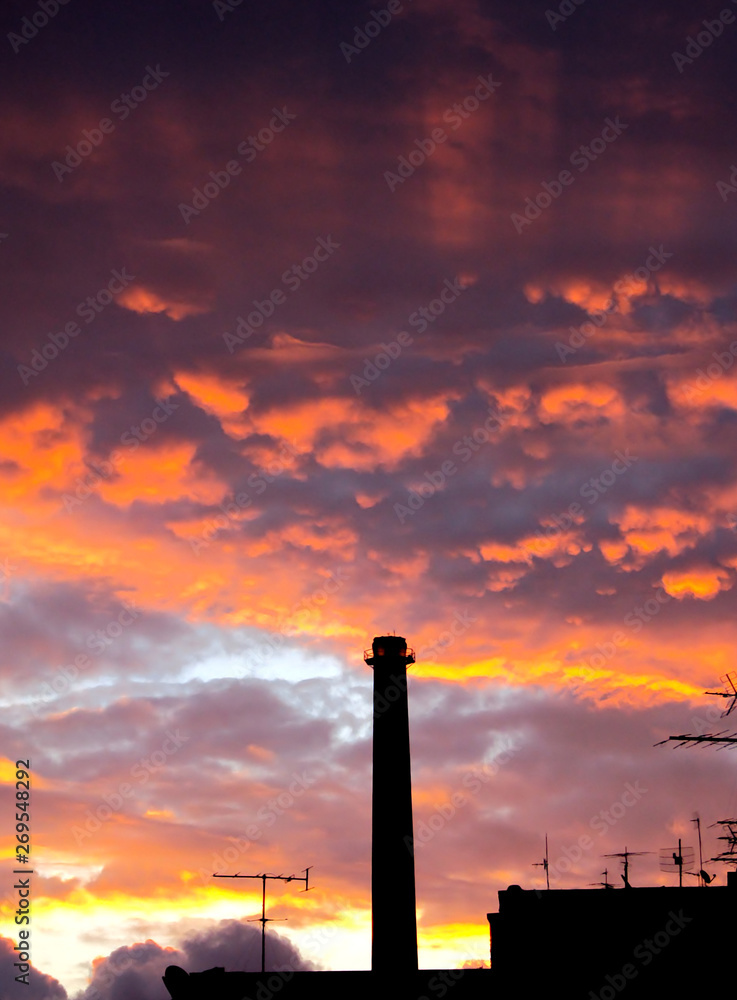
606,884
626,855
729,681
728,856
545,863
680,859
263,919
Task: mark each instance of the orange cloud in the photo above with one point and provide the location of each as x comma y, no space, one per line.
37,448
704,583
157,475
708,385
648,531
140,299
226,400
578,401
367,439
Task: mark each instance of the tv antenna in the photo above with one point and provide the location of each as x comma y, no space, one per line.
671,859
685,739
625,855
728,856
703,876
729,682
263,919
606,884
545,863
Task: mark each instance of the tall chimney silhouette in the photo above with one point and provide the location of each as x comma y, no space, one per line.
393,912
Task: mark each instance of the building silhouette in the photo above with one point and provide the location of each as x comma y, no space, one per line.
652,942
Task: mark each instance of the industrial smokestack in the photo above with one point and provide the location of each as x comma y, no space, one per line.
393,913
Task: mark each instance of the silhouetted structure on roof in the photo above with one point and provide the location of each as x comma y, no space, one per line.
393,906
263,919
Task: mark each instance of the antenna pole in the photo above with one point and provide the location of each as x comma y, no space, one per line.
544,863
626,855
728,856
263,919
605,884
729,681
547,863
263,923
697,821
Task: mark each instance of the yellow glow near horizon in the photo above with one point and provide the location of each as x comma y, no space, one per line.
448,946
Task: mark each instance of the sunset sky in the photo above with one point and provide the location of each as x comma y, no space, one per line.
324,321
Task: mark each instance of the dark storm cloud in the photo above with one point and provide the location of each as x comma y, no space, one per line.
135,971
38,985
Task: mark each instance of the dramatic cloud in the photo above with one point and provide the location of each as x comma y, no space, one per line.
14,976
136,970
314,333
